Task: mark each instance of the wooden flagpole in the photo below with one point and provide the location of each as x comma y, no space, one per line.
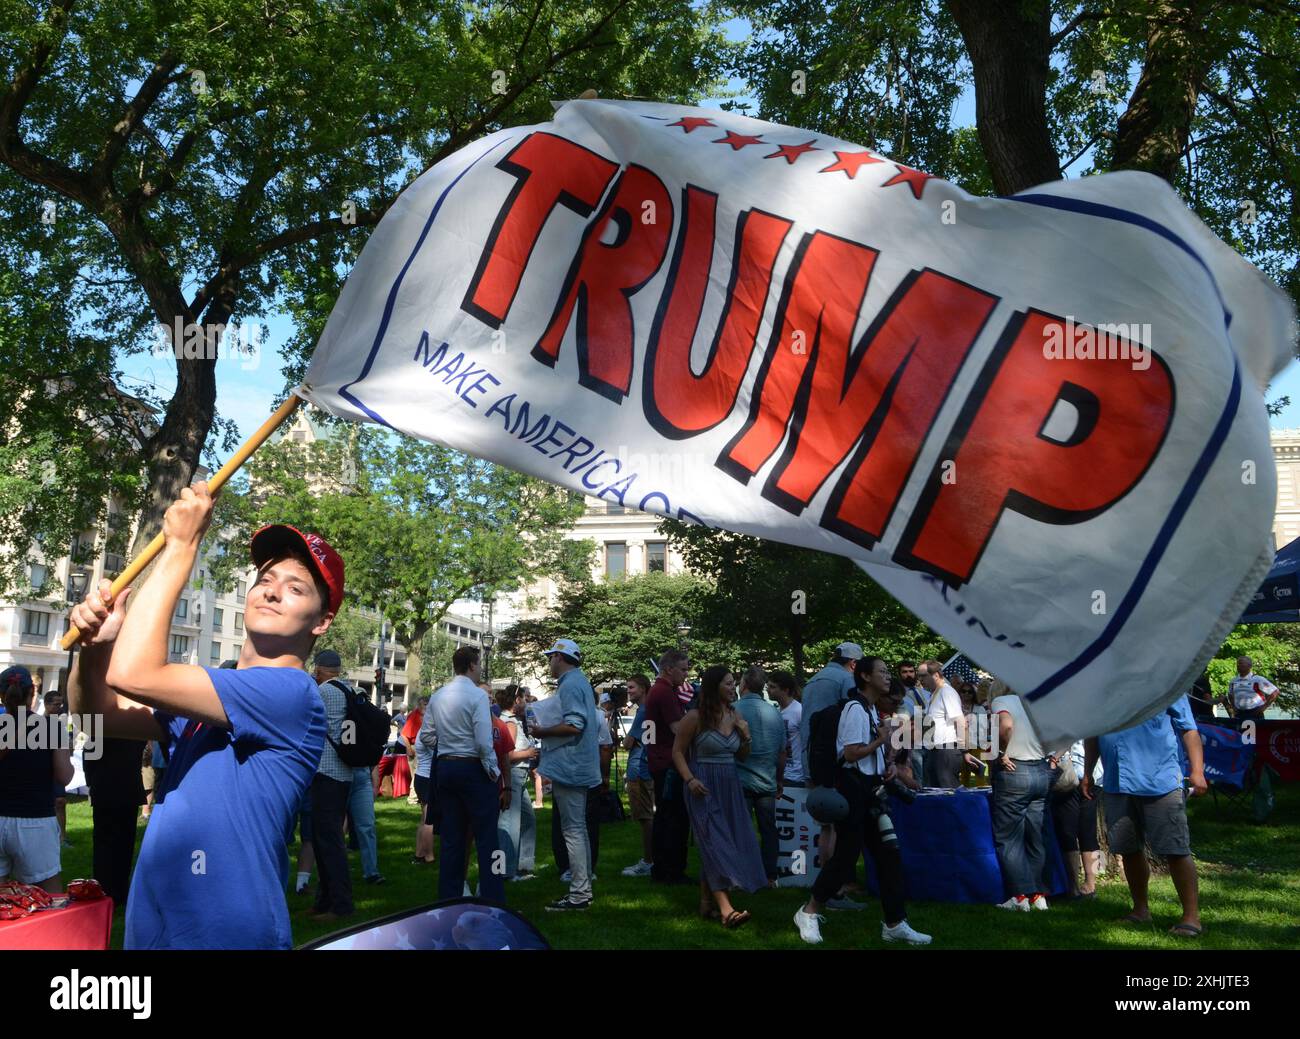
214,484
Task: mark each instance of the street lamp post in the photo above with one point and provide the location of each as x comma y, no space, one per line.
683,629
76,590
489,640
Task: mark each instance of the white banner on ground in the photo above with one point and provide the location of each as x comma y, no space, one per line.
1038,421
799,859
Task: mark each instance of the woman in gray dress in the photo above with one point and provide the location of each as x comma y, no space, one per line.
707,744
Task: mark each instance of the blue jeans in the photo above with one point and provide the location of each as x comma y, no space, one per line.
468,799
764,807
1019,819
361,807
517,826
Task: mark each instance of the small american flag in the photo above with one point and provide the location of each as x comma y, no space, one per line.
962,669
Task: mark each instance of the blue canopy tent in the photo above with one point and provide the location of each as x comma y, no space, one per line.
1278,598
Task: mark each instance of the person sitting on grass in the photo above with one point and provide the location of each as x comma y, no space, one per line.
243,743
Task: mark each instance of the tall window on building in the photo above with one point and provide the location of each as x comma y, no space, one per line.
656,557
239,624
179,649
214,656
38,574
182,609
241,589
615,560
218,619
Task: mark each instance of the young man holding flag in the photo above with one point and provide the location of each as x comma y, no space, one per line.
243,743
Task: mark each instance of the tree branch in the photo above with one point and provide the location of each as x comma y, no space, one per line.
136,110
14,151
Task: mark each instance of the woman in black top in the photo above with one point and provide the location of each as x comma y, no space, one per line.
29,831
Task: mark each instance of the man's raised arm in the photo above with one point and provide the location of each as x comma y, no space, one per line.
99,619
138,667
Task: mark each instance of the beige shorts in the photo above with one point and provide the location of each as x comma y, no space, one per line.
641,799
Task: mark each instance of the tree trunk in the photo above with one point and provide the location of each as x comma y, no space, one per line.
1153,131
1009,44
796,647
173,452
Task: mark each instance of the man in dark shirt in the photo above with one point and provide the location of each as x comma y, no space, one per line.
663,713
116,794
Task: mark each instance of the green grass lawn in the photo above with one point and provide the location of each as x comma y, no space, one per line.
1249,874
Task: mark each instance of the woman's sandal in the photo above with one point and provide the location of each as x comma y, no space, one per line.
1133,918
1185,931
736,918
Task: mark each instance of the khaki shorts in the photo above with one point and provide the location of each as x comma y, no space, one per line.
641,799
1133,820
149,776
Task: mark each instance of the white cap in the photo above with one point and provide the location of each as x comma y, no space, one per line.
849,651
566,646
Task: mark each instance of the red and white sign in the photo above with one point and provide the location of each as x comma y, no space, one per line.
1037,421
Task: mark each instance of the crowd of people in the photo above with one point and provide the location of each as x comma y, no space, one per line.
224,761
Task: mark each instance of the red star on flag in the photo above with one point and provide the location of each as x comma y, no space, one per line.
690,122
849,163
914,179
738,140
790,152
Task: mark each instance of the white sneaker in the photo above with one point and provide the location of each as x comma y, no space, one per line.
641,869
903,932
809,926
1038,902
845,903
1016,903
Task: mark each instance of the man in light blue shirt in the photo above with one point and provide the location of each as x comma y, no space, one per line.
571,761
828,687
458,728
1145,804
762,767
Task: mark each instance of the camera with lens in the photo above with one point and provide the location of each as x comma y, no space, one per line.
878,806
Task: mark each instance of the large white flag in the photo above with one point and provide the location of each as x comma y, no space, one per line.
1037,421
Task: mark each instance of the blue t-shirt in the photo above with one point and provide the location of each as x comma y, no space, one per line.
214,864
637,765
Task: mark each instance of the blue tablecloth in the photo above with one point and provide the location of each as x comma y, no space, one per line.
948,853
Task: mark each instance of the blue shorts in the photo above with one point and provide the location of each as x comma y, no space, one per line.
29,849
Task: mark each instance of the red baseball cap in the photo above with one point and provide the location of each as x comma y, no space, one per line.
327,563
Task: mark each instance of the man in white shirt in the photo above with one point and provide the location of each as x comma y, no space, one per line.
458,726
947,736
1249,694
860,746
781,687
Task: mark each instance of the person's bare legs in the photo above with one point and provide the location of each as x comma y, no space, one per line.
1138,875
1182,868
1091,860
537,790
424,843
1073,864
306,858
706,900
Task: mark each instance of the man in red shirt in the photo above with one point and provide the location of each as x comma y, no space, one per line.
663,711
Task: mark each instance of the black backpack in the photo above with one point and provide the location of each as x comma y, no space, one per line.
365,730
823,728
